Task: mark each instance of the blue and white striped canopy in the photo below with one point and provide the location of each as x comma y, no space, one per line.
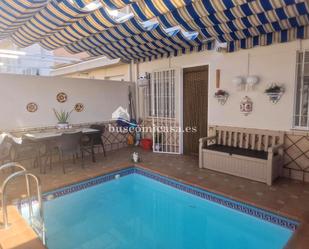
14,14
72,24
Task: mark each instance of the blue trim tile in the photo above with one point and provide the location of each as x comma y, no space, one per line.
199,192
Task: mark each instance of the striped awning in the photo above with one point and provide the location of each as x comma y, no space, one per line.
270,38
14,14
153,42
129,31
54,17
149,9
150,31
94,23
247,19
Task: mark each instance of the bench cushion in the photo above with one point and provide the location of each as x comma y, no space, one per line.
238,151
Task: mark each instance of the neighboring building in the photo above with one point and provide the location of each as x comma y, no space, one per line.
33,60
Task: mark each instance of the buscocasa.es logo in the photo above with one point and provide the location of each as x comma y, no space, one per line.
123,121
125,124
121,113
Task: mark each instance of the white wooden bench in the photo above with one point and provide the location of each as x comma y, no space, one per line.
250,153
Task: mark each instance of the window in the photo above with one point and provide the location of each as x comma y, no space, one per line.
159,97
31,71
302,91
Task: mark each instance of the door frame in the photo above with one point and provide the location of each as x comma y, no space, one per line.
181,98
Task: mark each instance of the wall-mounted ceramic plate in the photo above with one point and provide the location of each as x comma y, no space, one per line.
62,97
79,107
32,107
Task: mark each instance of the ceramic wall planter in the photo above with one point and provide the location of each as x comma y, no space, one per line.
63,126
221,96
274,92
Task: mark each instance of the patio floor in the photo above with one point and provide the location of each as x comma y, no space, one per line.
287,197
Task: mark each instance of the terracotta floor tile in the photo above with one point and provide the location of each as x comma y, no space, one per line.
286,196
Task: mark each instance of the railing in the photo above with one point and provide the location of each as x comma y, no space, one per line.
4,210
23,172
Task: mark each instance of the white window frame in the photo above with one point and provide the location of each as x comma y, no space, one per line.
150,107
164,110
298,102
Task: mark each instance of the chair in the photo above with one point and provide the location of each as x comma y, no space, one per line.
95,139
70,144
26,150
5,149
51,148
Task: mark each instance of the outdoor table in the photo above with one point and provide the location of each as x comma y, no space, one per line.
46,138
36,136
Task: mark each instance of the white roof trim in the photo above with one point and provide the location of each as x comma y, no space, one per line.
84,66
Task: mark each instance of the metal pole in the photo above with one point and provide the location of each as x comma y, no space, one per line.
39,196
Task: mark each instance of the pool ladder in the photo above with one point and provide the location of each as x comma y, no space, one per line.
36,224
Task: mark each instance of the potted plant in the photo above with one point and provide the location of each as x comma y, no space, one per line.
63,117
221,96
274,92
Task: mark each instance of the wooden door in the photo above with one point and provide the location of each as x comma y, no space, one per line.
195,107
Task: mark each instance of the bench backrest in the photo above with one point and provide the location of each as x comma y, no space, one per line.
248,138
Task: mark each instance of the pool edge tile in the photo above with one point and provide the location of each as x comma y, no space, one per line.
239,206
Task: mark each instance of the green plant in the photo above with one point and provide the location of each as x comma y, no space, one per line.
274,89
221,93
62,116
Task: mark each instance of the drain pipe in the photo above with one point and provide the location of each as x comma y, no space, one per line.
134,72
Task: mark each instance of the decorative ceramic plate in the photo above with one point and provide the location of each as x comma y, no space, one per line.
32,107
79,107
62,97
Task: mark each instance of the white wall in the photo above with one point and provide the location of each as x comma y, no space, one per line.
99,97
273,64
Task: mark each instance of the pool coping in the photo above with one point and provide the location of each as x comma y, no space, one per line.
231,203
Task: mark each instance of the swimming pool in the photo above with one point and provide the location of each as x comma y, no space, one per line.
137,209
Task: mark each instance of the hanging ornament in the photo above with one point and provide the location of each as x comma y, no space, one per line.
246,106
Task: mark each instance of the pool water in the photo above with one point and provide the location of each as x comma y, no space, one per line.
136,212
